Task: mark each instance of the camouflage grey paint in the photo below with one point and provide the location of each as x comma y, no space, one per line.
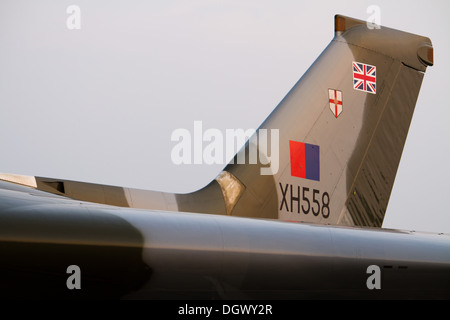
41,235
132,253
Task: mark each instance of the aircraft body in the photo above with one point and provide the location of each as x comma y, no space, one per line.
341,133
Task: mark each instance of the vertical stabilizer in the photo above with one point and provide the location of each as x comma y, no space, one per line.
342,128
339,136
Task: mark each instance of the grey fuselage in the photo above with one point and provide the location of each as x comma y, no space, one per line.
133,253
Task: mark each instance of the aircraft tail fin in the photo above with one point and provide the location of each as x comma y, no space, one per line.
330,150
342,129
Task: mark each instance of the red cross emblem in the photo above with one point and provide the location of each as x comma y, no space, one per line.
335,98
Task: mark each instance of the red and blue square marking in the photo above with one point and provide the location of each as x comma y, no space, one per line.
305,160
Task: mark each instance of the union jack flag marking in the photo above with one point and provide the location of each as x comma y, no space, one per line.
364,77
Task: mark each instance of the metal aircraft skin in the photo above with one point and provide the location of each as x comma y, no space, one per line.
341,129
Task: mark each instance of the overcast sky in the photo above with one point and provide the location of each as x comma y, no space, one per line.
99,103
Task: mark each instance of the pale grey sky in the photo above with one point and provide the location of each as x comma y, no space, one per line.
99,104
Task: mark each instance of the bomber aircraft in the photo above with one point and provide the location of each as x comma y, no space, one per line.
308,227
